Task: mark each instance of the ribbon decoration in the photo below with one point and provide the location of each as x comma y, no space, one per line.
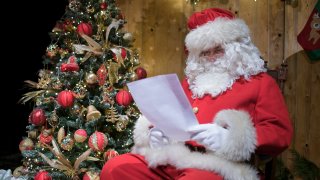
117,52
114,24
62,163
93,48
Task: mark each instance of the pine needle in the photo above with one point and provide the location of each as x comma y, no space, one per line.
304,168
30,95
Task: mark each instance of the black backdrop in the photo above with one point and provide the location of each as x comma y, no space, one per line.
24,32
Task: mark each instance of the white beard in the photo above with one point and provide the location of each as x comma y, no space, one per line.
215,77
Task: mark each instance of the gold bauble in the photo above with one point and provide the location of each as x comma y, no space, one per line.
18,171
91,78
67,143
76,109
26,144
133,77
135,61
33,134
74,5
53,119
128,37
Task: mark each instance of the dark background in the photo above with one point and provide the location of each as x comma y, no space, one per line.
24,32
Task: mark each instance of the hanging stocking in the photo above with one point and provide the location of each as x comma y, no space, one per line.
309,37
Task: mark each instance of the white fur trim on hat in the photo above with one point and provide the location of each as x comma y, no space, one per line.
219,31
241,141
179,156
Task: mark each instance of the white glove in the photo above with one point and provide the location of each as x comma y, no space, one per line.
157,138
212,136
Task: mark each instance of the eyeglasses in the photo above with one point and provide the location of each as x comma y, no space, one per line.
213,53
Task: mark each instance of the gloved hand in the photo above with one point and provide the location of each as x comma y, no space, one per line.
157,138
212,136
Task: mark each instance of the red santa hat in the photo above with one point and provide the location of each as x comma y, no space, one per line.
213,26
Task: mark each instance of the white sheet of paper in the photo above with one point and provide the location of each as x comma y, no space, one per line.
163,102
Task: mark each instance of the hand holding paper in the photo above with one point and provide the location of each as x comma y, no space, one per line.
157,138
212,136
163,102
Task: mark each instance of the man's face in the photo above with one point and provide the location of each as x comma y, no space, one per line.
213,53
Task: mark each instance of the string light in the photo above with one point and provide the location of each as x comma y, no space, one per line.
194,2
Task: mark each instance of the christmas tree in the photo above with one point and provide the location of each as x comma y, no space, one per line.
83,113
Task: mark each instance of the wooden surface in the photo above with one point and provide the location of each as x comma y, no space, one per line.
160,27
302,89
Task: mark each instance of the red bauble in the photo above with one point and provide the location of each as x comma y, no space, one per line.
98,141
109,154
103,5
80,135
122,52
65,98
26,144
68,25
45,139
141,73
37,117
84,28
42,175
70,66
124,98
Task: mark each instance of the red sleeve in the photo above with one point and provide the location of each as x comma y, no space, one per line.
272,123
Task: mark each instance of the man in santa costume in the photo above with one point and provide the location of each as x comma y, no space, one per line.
239,107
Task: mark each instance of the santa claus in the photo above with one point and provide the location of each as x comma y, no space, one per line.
239,107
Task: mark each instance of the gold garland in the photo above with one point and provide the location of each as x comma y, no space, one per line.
63,164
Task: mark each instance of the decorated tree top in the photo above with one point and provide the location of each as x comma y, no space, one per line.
83,112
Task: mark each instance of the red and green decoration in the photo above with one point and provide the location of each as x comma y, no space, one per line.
83,114
309,38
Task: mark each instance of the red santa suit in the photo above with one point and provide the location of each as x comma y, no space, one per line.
260,105
250,107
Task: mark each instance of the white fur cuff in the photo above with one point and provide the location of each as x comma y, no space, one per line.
178,155
241,141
